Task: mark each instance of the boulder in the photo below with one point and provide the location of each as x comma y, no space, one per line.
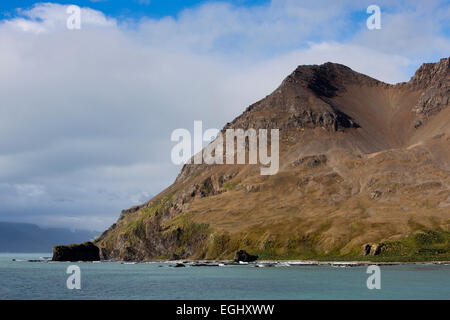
376,249
179,265
373,249
244,256
76,252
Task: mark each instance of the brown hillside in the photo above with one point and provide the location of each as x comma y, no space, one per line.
361,162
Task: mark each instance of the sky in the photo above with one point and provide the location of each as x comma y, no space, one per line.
86,115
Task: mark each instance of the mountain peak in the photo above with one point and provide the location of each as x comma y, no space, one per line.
325,79
434,80
431,73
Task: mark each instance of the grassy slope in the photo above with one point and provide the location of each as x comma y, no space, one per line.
321,213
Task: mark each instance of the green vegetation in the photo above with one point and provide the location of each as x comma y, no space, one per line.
229,185
424,245
132,227
189,237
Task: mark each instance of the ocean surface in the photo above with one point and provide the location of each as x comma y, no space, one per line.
114,280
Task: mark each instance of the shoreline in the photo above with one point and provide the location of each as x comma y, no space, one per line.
267,263
262,263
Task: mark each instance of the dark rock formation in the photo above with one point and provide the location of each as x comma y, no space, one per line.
376,249
373,249
76,252
179,265
244,256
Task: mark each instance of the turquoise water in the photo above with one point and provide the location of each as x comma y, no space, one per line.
111,280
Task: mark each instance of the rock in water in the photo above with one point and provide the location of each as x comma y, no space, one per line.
76,252
244,256
179,265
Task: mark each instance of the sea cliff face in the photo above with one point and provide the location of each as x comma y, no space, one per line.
364,172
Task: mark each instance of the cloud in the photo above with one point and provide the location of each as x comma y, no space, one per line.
46,17
417,32
87,114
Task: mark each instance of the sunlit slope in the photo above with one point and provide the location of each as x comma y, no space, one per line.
361,162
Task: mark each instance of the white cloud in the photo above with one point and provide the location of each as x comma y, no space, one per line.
417,31
46,17
87,114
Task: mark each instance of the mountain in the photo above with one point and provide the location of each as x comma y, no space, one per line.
29,238
364,170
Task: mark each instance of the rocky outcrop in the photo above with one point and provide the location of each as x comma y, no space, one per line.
311,161
372,249
76,252
244,256
431,74
433,78
366,249
304,100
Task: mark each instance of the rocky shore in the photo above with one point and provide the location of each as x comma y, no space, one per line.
89,252
261,264
281,263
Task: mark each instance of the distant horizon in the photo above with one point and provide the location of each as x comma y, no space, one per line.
32,238
51,227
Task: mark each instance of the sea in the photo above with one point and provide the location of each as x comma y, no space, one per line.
22,279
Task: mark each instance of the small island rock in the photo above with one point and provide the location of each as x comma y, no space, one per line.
76,252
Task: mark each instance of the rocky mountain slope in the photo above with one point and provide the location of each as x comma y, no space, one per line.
364,170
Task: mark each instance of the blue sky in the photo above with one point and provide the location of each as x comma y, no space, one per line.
87,114
126,9
349,21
